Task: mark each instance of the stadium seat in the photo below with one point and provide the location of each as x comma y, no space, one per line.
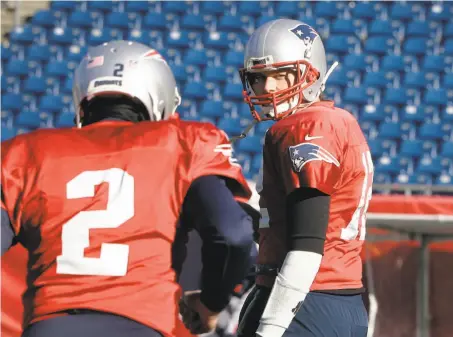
24,35
64,5
233,91
396,96
51,103
99,36
389,165
338,77
117,20
250,144
287,9
213,7
340,44
232,127
61,36
196,57
415,80
12,102
436,97
415,46
418,28
325,9
137,6
216,40
101,6
215,74
195,90
447,149
155,21
57,69
401,11
44,18
230,23
212,109
413,113
234,58
264,19
376,148
250,8
356,95
17,68
411,148
429,165
343,26
390,130
439,13
380,45
381,28
65,120
376,79
34,119
393,63
40,53
431,131
364,10
8,133
356,62
75,53
35,85
373,113
448,31
257,162
194,22
448,47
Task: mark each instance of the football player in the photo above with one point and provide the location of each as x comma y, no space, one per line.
316,186
97,206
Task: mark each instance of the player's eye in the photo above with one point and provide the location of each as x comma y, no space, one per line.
255,78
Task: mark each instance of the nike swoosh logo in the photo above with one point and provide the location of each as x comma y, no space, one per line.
307,137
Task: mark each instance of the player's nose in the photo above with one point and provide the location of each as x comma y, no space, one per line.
270,85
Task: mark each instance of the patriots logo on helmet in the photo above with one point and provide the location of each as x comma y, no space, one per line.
306,152
305,32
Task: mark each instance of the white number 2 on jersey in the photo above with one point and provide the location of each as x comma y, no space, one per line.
358,220
75,237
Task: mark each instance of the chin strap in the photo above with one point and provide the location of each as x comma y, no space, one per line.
329,72
244,133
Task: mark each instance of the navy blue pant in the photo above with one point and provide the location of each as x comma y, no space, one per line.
93,324
321,315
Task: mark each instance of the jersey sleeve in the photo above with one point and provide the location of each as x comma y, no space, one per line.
212,154
311,157
14,165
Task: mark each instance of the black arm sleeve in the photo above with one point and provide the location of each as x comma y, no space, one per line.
227,236
307,219
6,232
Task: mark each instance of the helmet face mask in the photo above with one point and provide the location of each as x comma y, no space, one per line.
277,46
293,96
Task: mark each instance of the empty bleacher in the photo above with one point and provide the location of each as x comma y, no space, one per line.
395,73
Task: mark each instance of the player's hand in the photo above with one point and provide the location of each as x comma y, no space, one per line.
196,317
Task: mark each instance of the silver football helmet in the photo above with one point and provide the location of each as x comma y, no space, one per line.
126,68
278,45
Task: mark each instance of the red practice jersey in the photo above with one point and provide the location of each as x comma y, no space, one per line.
97,209
321,147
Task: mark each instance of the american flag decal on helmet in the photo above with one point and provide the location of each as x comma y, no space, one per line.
303,153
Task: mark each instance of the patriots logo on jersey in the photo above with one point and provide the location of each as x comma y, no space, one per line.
306,152
304,32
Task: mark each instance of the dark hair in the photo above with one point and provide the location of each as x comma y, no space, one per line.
118,107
